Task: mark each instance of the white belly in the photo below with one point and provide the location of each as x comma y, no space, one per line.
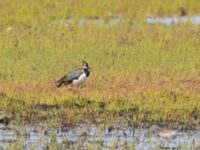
80,80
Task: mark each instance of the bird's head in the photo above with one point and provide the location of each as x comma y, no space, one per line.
85,65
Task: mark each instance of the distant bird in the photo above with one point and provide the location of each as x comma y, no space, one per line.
76,76
165,132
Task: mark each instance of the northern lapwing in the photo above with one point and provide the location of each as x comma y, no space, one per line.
76,76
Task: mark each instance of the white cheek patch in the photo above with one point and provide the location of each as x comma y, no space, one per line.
80,80
85,67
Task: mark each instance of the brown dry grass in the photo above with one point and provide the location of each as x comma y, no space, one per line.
135,101
114,88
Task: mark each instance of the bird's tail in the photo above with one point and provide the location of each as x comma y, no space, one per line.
59,83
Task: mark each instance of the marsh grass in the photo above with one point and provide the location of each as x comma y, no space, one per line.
140,73
45,11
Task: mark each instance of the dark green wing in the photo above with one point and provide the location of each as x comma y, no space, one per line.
74,74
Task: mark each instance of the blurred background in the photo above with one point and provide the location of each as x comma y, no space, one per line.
42,39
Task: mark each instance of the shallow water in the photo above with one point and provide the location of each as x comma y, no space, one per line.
195,20
117,20
83,136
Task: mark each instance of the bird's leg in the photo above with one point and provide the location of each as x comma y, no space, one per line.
81,86
75,89
71,87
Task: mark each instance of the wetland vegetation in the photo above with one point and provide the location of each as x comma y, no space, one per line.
141,74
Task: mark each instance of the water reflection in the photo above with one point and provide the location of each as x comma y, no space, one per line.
195,20
90,136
